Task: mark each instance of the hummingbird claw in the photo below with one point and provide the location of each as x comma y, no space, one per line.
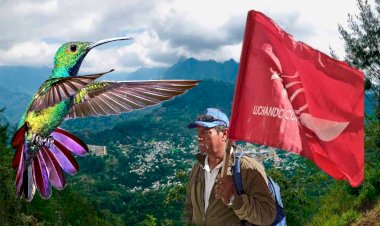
37,140
49,141
40,141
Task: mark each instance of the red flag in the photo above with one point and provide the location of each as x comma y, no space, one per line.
293,97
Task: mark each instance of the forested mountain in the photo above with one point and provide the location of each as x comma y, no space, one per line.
20,83
14,102
140,74
22,79
194,69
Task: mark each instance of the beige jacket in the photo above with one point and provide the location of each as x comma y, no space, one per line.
255,206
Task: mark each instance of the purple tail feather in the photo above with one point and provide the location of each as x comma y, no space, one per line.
28,186
40,176
70,142
43,168
18,161
55,173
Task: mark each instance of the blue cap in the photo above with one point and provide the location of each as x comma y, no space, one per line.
210,118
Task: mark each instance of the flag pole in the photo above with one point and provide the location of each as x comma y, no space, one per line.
226,158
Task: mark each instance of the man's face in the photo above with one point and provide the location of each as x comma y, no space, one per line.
209,140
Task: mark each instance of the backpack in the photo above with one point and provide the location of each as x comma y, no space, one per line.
280,219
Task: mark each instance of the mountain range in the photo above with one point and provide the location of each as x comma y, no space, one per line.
19,83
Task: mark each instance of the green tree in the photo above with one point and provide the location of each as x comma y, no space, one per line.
362,46
150,220
9,209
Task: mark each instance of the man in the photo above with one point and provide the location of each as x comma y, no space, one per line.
211,200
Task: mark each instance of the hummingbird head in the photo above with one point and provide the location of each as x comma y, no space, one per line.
69,56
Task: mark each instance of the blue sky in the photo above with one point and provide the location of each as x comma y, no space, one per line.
31,31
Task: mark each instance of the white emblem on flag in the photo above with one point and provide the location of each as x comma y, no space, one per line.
324,129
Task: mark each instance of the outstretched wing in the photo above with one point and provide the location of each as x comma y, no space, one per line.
56,90
107,98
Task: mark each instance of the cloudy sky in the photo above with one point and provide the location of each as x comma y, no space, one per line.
164,30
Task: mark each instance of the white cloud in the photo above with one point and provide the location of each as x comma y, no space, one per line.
29,53
23,8
86,24
147,50
163,30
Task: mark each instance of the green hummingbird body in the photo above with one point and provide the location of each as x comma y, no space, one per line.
45,121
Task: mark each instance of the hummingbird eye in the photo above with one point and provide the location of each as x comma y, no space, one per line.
73,48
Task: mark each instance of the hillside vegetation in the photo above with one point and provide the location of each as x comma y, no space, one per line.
141,180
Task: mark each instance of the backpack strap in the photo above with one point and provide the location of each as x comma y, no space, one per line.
271,187
236,173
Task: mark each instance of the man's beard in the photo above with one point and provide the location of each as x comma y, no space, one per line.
203,147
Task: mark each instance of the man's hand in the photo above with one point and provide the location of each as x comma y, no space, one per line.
224,188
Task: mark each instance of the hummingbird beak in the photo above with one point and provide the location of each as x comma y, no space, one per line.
101,42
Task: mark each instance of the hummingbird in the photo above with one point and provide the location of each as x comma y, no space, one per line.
43,151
